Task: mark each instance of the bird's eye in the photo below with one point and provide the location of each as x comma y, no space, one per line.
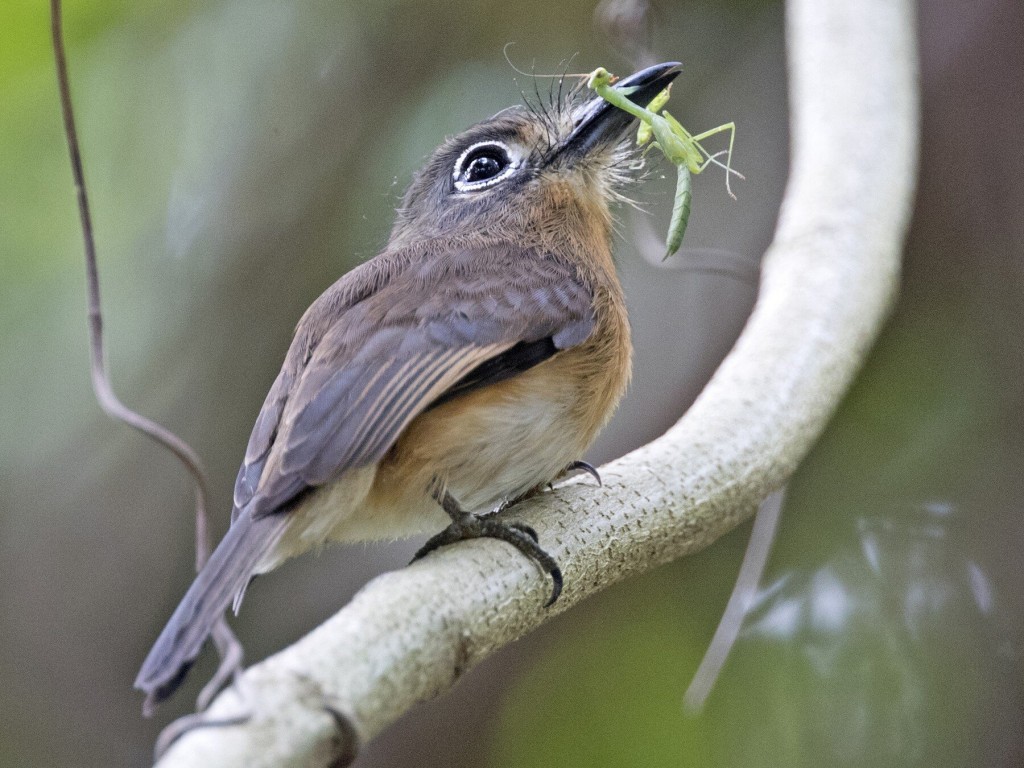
483,165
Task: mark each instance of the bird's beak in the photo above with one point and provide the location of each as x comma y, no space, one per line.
599,123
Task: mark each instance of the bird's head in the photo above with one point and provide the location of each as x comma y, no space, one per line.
529,174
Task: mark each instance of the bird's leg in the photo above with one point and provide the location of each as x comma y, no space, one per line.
466,525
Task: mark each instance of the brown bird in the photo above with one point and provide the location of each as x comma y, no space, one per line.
471,363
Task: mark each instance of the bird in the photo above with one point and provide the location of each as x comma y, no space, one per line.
468,365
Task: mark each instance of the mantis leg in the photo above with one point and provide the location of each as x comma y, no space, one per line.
601,82
731,128
617,99
677,144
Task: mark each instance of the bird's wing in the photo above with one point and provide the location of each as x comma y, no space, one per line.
355,286
368,358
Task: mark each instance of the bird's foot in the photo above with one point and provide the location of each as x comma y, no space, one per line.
469,526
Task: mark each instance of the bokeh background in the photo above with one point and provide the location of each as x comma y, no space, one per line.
242,154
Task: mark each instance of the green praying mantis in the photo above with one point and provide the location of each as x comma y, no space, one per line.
679,146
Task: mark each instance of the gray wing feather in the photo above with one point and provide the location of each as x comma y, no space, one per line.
263,434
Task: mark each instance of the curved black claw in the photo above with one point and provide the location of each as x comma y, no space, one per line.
519,535
556,586
582,466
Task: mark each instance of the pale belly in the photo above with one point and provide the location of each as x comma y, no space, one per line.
484,448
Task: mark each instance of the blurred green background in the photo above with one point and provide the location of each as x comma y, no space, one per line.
242,155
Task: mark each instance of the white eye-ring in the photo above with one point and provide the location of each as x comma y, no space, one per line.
483,165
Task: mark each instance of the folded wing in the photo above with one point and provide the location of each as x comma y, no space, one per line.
385,344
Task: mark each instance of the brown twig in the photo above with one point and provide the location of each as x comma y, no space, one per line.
227,643
766,523
100,381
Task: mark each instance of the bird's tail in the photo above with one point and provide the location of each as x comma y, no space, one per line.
226,573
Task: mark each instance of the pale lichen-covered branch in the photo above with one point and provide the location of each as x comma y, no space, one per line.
828,282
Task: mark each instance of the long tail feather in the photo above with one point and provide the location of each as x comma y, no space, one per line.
225,574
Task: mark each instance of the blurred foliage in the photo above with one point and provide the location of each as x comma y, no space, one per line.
242,155
884,634
888,628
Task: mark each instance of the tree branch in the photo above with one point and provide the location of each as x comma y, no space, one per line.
828,281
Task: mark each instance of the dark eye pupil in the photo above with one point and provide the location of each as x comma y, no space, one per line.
484,167
481,163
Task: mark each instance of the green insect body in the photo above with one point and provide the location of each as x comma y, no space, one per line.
680,212
680,147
